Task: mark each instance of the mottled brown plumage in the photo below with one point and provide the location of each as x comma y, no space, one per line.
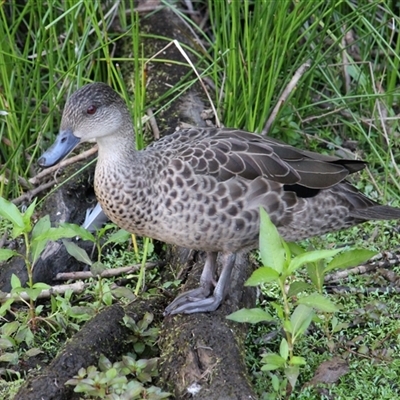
202,188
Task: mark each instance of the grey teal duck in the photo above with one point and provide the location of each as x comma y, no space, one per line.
202,188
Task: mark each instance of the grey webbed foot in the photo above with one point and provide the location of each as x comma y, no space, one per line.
199,299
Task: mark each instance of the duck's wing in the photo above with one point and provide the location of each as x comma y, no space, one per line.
226,153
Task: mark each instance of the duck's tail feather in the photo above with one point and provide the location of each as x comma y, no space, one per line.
377,212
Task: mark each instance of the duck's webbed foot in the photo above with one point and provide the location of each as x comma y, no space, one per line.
199,300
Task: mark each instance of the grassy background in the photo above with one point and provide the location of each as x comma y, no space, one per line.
346,103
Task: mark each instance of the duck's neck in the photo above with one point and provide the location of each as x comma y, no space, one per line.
119,150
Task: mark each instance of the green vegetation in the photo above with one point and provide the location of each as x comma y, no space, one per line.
345,101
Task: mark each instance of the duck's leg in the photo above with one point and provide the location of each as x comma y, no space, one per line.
197,300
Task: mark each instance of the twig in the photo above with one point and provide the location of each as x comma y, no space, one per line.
63,276
153,124
381,260
288,89
76,287
82,156
32,193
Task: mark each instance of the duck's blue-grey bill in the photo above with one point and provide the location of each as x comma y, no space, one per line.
64,144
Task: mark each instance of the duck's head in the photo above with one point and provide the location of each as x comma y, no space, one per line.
95,111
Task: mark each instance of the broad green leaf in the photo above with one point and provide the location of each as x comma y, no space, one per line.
77,252
56,234
121,236
36,249
42,226
33,293
271,250
349,259
33,352
78,231
10,327
15,282
275,382
97,268
11,213
292,373
111,373
28,215
37,246
5,307
310,257
278,309
301,319
11,358
284,349
297,287
24,334
5,343
287,326
250,315
297,360
272,360
316,273
5,254
262,275
295,249
104,363
41,286
318,302
107,295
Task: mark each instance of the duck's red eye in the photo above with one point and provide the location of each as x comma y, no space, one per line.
91,110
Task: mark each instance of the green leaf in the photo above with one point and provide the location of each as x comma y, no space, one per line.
77,230
297,287
33,352
11,358
121,236
111,373
42,226
33,293
292,373
123,291
10,327
318,302
301,319
55,234
284,349
262,275
5,254
316,272
5,343
5,307
271,249
252,315
274,360
310,257
97,268
41,286
297,360
295,249
37,246
77,252
15,282
36,249
11,213
350,258
28,215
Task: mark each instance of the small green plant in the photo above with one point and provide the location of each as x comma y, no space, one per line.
126,379
98,267
302,302
35,239
21,327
